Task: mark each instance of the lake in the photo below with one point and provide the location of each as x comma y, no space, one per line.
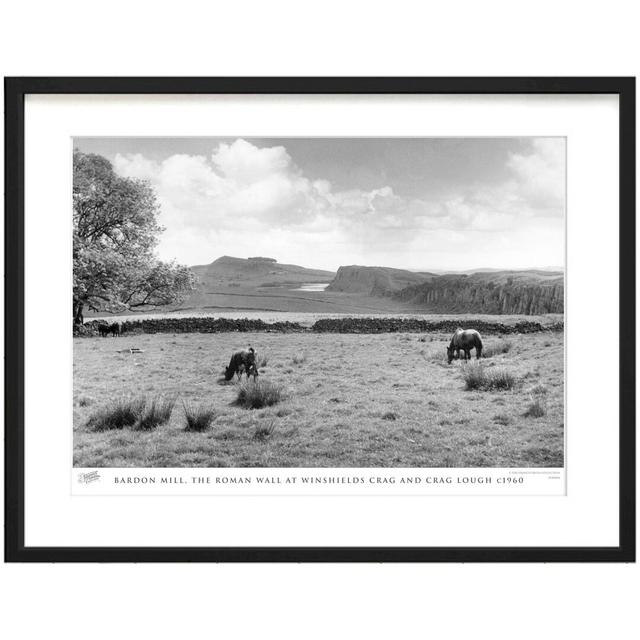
312,286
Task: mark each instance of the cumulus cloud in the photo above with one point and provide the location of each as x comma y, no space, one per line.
241,196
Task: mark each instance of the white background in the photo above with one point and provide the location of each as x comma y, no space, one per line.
362,38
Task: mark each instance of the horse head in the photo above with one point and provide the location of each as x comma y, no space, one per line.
451,354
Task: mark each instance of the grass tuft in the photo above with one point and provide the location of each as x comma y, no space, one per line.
264,430
198,418
476,377
263,362
155,413
299,358
390,416
535,410
121,413
258,394
539,390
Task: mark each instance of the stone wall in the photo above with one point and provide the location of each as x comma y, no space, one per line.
326,325
194,325
415,325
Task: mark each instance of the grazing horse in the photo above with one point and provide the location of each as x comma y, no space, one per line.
465,340
242,362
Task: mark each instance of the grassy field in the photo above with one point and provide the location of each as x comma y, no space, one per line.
388,400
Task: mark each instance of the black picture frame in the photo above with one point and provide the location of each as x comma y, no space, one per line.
15,91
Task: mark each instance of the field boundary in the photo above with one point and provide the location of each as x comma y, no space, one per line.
324,325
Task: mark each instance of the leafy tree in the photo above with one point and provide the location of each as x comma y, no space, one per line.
115,232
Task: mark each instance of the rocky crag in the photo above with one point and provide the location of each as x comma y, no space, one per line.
501,292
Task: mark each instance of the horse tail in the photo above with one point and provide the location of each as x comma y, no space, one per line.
231,369
479,346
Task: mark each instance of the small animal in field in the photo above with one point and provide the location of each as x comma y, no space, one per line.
104,330
115,329
464,340
242,362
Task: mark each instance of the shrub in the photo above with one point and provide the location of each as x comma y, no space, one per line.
121,413
497,348
258,394
197,418
390,416
535,410
155,413
264,430
477,377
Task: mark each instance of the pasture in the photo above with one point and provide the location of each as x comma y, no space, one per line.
345,400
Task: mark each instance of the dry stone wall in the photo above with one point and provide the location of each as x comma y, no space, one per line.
326,325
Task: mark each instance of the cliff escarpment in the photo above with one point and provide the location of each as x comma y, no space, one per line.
531,292
375,281
526,293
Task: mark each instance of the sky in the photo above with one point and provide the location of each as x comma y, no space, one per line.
409,203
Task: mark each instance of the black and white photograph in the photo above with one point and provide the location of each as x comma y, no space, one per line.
318,302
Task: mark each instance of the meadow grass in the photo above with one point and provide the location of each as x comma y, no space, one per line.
496,348
334,409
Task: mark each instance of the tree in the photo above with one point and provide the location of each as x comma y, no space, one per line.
115,232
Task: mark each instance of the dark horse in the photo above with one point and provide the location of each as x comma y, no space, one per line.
104,330
465,340
115,329
242,362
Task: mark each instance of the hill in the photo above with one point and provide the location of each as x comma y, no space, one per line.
375,281
229,271
263,284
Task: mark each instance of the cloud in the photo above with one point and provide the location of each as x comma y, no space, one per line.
242,196
540,175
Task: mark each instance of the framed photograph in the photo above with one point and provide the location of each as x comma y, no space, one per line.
320,319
